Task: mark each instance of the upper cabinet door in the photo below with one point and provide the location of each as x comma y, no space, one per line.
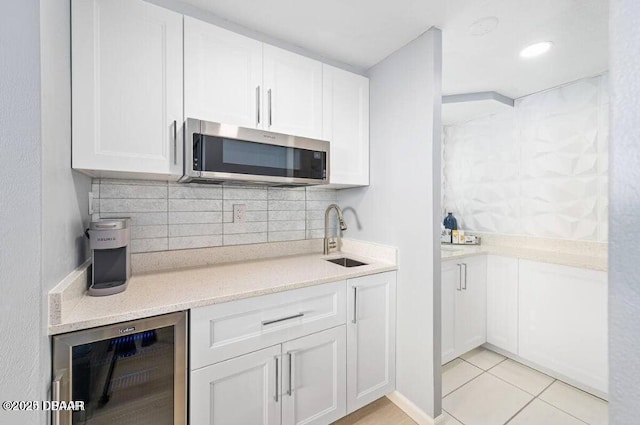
127,88
222,75
346,125
293,93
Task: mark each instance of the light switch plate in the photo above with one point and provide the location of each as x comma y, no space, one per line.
239,213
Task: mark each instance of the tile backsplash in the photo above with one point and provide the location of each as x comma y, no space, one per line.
169,216
540,169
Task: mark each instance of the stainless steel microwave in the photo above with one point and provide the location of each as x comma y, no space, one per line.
217,153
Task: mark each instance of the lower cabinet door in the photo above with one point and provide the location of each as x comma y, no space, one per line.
371,338
451,286
471,305
241,391
314,378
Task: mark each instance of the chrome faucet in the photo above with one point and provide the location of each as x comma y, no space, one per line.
330,243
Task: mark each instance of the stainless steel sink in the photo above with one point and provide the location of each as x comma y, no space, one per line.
346,262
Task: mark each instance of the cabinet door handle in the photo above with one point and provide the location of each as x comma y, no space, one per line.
270,112
175,142
355,305
55,396
258,105
277,377
459,288
465,276
290,390
270,322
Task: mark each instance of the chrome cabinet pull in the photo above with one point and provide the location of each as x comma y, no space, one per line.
290,390
459,288
258,105
270,322
270,113
175,142
465,276
277,377
55,396
355,305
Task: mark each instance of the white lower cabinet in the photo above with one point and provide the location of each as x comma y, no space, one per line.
371,338
240,391
314,378
563,321
291,358
464,303
502,302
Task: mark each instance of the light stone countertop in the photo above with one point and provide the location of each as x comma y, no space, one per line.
581,256
164,292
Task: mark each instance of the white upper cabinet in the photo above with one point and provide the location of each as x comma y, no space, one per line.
127,89
346,125
293,93
222,75
502,302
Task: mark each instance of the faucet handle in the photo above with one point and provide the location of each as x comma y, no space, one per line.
333,243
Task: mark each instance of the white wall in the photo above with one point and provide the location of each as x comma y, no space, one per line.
540,169
20,207
624,224
64,191
401,207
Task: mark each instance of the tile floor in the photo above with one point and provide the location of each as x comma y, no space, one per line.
484,388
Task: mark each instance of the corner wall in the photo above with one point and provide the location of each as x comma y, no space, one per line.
64,191
624,222
401,207
20,208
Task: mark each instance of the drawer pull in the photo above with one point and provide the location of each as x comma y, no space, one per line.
270,322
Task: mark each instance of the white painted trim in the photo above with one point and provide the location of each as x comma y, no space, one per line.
413,411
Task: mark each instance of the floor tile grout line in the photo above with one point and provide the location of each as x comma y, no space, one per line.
465,383
521,389
449,413
521,409
564,411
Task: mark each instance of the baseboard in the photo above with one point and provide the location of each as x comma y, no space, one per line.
413,411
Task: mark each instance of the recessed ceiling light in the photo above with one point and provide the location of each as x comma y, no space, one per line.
536,49
484,26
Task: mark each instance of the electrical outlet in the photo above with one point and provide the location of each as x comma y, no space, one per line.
239,213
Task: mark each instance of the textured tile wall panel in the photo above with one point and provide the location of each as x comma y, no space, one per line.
538,170
174,216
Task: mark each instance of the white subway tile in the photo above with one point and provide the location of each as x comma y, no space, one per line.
139,219
195,217
126,191
286,205
149,245
133,205
195,192
188,205
279,226
286,194
177,230
293,235
252,227
227,216
245,238
146,232
250,205
188,242
287,215
244,193
322,195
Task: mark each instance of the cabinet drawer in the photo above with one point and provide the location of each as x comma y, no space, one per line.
223,331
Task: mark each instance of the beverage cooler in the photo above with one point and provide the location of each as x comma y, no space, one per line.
127,373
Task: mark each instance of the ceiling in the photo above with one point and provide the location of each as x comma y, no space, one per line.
360,33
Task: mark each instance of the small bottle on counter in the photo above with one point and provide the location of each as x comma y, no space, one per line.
451,225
